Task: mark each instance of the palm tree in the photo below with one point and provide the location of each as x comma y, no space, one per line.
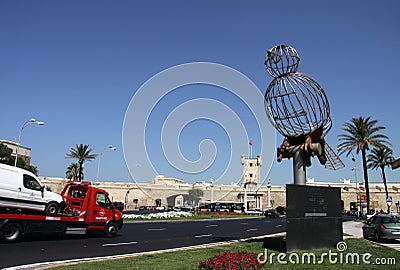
81,153
72,172
380,157
360,134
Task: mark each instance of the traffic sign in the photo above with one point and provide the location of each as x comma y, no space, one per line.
389,200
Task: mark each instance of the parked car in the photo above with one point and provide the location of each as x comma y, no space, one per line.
142,208
119,205
380,227
160,208
187,208
257,212
271,213
21,189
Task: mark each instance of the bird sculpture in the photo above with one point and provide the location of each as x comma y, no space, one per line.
297,106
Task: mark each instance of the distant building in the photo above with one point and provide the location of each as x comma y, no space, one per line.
251,169
251,172
162,179
23,152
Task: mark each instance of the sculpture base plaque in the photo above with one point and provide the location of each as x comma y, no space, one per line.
314,217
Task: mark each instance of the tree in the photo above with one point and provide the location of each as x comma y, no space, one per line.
360,134
194,196
7,158
82,153
5,153
72,172
380,157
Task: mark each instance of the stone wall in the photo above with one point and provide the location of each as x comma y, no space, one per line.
147,193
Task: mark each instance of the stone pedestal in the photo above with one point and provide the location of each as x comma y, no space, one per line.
314,217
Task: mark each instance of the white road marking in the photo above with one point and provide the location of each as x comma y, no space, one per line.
203,235
208,226
278,226
249,230
119,244
244,223
394,245
157,229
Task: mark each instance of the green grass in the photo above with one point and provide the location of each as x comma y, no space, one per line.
188,259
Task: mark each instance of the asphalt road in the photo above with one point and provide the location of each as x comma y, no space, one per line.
135,238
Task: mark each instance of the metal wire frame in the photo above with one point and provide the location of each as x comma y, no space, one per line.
333,161
282,60
296,105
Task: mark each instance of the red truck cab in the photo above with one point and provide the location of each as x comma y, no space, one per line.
82,200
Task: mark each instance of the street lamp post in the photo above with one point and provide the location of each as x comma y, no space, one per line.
126,197
355,176
110,147
269,193
29,122
212,190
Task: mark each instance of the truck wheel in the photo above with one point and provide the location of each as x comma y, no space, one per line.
111,229
11,232
52,209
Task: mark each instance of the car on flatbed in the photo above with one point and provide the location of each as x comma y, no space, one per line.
21,190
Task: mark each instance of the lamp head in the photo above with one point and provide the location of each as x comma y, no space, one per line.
112,147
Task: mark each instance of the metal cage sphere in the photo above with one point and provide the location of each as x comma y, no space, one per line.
282,60
297,105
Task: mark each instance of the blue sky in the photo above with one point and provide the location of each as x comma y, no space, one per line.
77,65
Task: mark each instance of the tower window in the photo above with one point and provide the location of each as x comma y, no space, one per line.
251,164
250,175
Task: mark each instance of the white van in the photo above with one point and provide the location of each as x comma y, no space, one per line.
20,189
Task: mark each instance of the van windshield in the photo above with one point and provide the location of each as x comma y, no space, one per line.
31,183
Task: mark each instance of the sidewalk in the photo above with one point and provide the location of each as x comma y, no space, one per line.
353,228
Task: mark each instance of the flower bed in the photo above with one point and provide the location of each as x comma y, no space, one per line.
231,261
163,215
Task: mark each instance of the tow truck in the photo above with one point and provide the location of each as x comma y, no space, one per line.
87,209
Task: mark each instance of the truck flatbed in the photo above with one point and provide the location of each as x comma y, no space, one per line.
86,209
